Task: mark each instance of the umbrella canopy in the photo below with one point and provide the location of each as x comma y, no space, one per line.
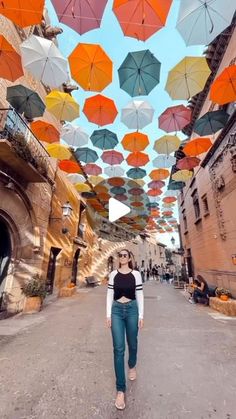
163,161
117,190
25,101
62,105
92,169
121,197
80,15
167,144
141,19
100,189
59,151
135,141
199,22
187,163
45,131
69,166
137,159
116,181
100,110
140,182
137,114
154,192
136,191
159,174
44,61
223,89
139,73
211,122
187,78
104,139
82,187
86,155
156,184
10,61
91,67
114,171
75,178
112,157
169,199
95,179
136,173
23,12
175,118
175,186
197,146
74,136
182,175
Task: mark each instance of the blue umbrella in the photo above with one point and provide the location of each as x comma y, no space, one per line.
86,155
136,173
139,73
104,139
118,190
211,122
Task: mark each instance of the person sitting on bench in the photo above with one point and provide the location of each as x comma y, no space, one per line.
201,291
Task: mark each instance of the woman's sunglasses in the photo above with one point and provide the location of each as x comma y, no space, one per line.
123,255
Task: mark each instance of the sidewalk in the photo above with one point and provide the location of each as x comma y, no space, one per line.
60,362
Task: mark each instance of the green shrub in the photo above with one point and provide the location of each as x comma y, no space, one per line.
34,287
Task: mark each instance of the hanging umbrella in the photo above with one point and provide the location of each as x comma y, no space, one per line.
69,166
175,118
135,141
86,155
171,193
197,146
182,175
92,169
211,122
141,19
114,171
10,61
80,15
187,163
104,139
101,188
169,199
95,179
136,191
159,174
136,173
154,192
45,131
59,151
74,136
44,61
116,181
62,105
139,73
90,67
140,182
156,184
82,187
175,186
117,190
23,12
137,159
164,161
112,157
137,204
167,144
137,114
25,101
121,197
100,110
104,196
187,78
223,88
75,178
199,22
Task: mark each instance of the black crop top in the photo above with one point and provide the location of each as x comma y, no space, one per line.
124,286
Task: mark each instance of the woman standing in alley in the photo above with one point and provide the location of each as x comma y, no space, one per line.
125,317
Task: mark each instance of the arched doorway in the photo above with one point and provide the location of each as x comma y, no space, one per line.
54,252
5,252
110,264
75,266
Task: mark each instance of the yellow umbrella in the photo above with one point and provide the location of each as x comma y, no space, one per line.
82,187
62,105
187,78
167,144
59,151
95,179
182,175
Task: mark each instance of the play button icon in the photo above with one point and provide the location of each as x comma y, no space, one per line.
117,209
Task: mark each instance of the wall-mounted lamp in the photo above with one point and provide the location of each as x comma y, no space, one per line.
66,213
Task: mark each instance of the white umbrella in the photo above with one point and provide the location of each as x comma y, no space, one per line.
114,171
172,193
137,114
74,136
199,22
163,161
75,178
44,61
153,199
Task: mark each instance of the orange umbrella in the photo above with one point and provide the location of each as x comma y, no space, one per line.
137,159
116,181
169,199
167,213
159,174
45,131
223,89
197,146
135,141
100,189
154,192
137,204
91,67
69,166
140,19
23,12
100,110
104,196
10,61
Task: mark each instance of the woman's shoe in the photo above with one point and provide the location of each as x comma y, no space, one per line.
132,374
120,400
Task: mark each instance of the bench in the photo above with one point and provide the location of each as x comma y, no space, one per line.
91,281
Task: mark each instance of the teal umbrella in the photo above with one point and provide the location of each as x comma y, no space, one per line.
117,190
104,139
25,101
211,122
86,155
139,73
136,173
174,186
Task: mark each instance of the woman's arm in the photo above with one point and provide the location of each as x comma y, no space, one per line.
139,294
110,294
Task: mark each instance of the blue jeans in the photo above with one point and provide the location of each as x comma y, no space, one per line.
124,318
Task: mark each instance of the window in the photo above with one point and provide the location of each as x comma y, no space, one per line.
205,205
185,220
196,204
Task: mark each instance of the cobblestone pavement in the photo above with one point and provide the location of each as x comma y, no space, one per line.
59,363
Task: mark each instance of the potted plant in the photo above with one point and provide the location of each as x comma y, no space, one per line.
223,294
35,292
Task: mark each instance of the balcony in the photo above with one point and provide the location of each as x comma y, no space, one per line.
21,150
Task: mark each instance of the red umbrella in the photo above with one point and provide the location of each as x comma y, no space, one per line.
175,118
188,163
100,110
121,197
92,169
116,181
112,157
154,192
136,191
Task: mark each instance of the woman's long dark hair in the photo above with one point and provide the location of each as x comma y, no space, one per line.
131,256
201,279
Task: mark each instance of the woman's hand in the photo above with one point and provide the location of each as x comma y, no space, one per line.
140,323
108,322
